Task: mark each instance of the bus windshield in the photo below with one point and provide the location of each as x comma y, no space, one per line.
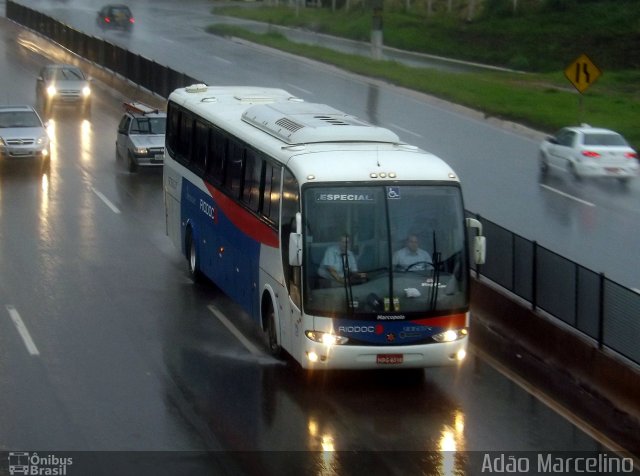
384,250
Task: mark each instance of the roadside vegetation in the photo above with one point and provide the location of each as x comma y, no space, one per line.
539,39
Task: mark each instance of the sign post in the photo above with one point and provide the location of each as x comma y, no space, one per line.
582,73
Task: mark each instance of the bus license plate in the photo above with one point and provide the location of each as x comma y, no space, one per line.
389,359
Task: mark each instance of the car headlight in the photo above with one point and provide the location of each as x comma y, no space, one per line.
450,335
141,150
326,338
42,140
86,91
52,91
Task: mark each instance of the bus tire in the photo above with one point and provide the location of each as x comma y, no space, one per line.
193,261
272,334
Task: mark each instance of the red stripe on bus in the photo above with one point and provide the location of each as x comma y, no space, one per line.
449,322
243,220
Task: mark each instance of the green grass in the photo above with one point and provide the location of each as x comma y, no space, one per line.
546,101
540,38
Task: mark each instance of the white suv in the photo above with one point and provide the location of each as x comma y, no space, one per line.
589,152
23,136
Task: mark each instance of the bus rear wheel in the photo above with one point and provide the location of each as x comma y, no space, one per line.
193,262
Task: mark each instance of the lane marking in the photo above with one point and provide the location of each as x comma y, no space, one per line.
557,407
249,346
566,195
222,60
107,202
405,130
22,330
300,89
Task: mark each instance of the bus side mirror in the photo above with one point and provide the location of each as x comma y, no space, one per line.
295,249
479,249
479,241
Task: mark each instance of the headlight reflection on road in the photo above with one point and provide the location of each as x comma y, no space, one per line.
53,143
451,444
327,446
86,138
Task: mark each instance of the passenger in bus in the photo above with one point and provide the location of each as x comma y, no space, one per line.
411,257
332,267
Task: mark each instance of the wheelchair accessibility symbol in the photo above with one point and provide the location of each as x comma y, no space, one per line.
393,192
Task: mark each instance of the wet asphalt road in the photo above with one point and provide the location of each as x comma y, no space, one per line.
131,357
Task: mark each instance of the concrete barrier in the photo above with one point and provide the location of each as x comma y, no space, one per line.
597,386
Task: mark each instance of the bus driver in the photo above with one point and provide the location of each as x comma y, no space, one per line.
411,257
332,267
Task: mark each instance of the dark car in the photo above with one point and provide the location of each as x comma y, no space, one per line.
115,16
63,85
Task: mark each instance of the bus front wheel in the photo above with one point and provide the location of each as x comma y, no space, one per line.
272,334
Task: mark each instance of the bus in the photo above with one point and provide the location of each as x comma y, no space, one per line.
262,187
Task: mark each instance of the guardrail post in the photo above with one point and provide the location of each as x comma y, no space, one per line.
534,277
601,313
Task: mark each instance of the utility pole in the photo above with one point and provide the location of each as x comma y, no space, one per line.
376,30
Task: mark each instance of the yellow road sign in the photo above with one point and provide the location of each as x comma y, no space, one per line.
582,73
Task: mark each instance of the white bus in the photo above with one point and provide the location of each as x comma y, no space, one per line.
260,189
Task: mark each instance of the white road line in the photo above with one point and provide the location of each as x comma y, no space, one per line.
395,126
221,59
300,89
250,347
22,329
584,202
105,200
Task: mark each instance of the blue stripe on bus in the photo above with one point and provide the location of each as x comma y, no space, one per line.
227,255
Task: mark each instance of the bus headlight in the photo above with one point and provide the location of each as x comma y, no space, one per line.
450,335
326,338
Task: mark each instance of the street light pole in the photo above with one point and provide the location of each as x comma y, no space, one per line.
376,30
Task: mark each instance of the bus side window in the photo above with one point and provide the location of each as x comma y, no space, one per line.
271,194
234,166
200,147
290,206
252,180
183,154
173,128
217,153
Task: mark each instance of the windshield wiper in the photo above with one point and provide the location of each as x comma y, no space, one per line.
433,299
346,279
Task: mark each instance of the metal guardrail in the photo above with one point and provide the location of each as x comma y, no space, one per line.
583,299
140,70
600,308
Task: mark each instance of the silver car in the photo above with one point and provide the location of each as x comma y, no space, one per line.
63,85
23,136
587,151
141,134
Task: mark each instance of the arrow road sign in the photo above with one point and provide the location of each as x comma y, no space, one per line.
582,73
